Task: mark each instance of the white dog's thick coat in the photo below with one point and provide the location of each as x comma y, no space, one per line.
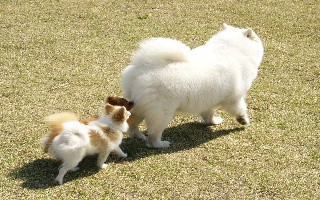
165,76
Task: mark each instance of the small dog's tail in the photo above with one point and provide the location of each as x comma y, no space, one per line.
55,122
159,52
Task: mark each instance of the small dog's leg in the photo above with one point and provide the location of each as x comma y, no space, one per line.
62,171
103,155
65,167
118,151
210,118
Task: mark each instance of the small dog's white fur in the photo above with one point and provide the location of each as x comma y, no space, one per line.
77,140
165,76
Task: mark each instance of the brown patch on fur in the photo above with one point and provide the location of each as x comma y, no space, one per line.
131,119
98,141
119,116
112,135
118,101
87,121
105,128
54,133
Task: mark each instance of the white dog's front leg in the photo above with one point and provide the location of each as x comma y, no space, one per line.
154,141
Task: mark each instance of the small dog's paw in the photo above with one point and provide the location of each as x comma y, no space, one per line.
125,155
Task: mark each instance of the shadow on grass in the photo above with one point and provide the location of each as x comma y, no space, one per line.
182,137
40,173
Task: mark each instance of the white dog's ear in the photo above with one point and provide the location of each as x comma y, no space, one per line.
249,33
226,26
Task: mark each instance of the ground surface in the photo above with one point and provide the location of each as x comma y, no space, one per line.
68,55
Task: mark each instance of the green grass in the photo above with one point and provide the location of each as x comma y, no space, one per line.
68,55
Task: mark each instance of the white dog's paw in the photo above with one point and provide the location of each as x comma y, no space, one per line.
58,180
243,120
135,133
75,169
124,155
140,136
217,120
158,145
103,166
211,121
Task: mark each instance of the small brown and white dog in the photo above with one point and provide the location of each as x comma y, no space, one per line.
71,140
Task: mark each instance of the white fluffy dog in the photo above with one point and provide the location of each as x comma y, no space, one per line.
165,76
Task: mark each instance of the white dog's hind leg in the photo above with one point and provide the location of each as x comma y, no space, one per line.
134,130
239,110
157,123
209,117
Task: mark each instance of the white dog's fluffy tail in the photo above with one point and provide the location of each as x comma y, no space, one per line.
159,52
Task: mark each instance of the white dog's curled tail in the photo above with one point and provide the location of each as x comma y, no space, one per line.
159,52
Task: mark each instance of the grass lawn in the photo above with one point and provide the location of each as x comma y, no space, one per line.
60,55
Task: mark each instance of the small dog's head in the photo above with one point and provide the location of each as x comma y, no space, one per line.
118,101
119,113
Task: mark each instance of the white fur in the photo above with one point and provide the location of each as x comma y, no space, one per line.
73,143
165,76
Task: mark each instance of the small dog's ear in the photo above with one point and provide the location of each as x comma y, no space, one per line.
119,114
111,100
109,109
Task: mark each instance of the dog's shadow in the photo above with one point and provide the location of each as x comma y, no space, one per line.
40,173
182,137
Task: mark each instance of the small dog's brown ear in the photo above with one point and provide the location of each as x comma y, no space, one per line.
119,114
109,109
111,100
